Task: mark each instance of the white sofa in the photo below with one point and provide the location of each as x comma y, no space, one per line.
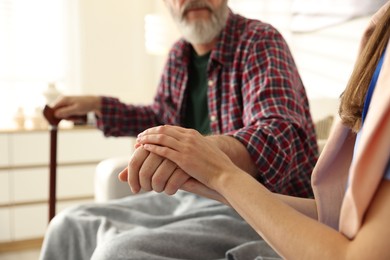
107,185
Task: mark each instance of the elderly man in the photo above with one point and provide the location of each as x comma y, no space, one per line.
232,79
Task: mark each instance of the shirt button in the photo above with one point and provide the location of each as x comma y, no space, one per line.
213,118
210,83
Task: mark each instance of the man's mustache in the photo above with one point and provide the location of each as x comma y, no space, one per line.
190,5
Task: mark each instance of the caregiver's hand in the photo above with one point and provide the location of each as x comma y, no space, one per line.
191,151
138,179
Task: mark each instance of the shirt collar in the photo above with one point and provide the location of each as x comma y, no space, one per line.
224,49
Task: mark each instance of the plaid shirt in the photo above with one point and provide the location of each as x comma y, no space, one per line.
255,94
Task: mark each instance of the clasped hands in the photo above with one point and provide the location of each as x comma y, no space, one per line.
148,171
169,158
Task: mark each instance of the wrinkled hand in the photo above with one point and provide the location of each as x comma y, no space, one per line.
190,184
70,106
191,151
148,171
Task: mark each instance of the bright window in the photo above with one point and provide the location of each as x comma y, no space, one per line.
33,49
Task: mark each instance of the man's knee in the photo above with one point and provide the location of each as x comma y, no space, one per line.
131,245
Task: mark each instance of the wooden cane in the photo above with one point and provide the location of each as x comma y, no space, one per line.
48,113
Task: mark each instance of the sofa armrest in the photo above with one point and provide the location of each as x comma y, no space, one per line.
324,110
107,185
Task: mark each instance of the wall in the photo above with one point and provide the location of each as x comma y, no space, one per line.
113,57
325,58
114,60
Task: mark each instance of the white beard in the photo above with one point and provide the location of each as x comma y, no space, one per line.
202,31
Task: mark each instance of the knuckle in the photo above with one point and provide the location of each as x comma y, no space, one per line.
145,184
160,129
160,138
157,184
192,131
174,183
157,180
144,174
170,189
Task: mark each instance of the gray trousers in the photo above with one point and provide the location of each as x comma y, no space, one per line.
153,226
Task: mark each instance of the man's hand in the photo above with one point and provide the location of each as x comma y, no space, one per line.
146,180
197,155
148,171
70,106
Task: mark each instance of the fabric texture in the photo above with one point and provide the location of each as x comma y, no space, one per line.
255,94
344,210
197,114
151,226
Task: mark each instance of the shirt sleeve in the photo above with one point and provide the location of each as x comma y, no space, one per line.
278,131
120,119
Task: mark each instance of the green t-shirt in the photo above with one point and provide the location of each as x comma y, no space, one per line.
197,113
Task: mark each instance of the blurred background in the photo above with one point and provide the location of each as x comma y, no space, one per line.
118,48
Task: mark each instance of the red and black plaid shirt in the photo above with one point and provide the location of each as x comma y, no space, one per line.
255,95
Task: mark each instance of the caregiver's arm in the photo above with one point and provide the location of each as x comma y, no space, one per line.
292,234
235,150
307,239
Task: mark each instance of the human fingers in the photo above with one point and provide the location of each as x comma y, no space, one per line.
198,158
148,169
174,137
122,176
67,107
133,168
61,102
164,129
162,174
77,105
182,145
162,135
176,180
162,151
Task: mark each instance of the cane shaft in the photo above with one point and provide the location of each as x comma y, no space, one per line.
53,173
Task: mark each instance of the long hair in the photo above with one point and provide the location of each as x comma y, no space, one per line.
352,99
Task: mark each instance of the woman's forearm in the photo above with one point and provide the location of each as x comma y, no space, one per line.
290,233
236,151
305,206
